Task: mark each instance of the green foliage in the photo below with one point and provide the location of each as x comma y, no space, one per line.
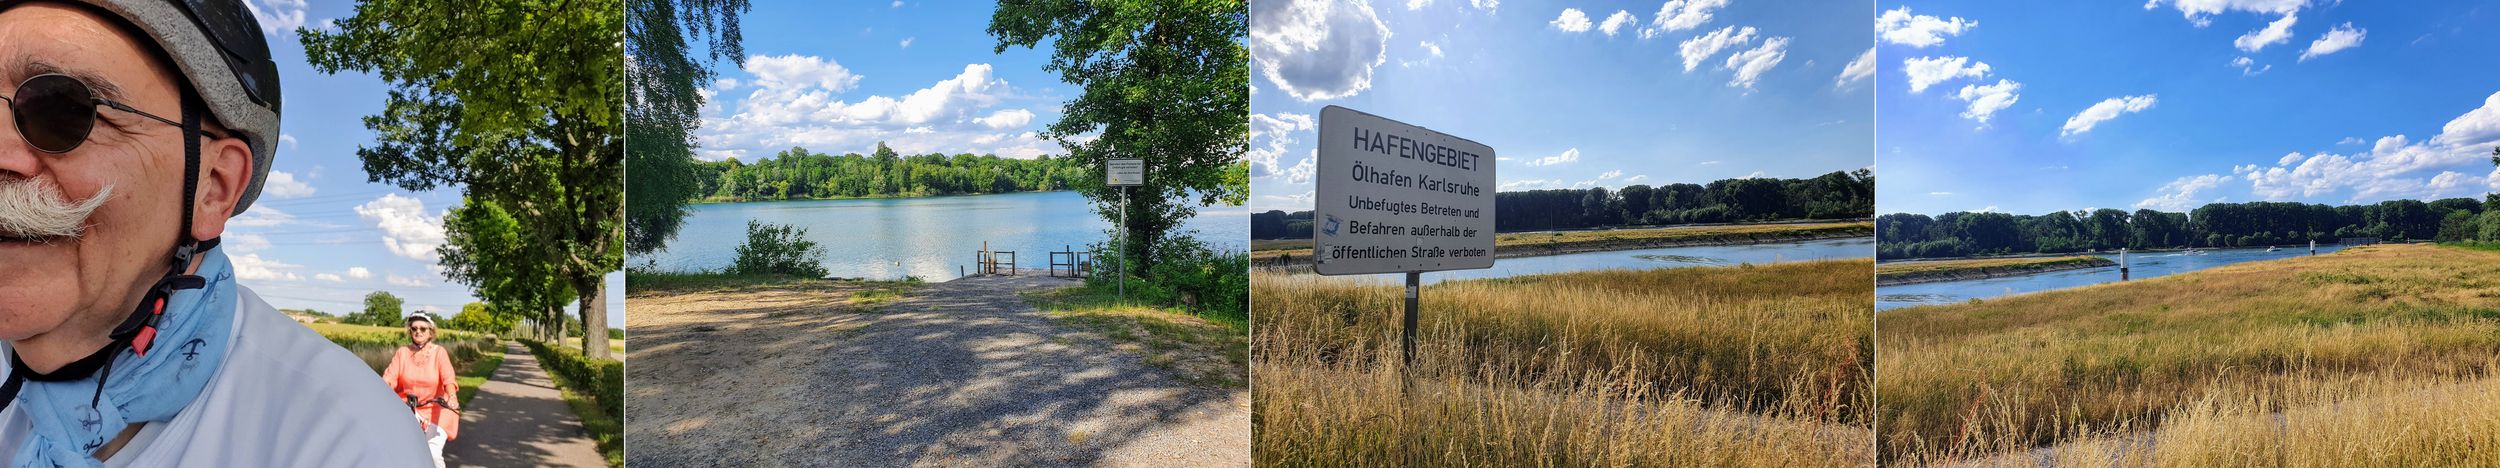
666,86
477,317
2252,224
514,101
1190,276
492,252
774,249
797,173
1837,195
602,381
1162,81
382,309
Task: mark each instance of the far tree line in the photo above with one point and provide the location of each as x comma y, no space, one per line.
1838,195
2250,224
798,174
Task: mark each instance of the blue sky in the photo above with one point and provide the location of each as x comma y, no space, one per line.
320,236
838,77
1571,93
2175,104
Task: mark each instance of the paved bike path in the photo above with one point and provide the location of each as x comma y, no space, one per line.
519,419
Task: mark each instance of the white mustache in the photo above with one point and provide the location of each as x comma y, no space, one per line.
36,209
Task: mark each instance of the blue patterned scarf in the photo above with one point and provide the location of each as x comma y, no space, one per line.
191,340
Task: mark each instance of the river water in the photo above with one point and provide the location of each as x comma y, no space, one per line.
927,237
2144,265
1665,257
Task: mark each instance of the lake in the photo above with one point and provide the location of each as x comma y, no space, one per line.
927,237
2144,265
1666,257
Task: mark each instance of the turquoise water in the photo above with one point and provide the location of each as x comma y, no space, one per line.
2142,266
928,237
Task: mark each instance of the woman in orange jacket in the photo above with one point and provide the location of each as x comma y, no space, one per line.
422,374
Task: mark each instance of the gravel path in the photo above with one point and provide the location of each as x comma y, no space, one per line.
519,419
962,373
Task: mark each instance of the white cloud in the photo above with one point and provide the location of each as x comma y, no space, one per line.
1270,134
1567,156
2199,12
1985,101
2277,32
1318,50
1754,175
1528,184
1572,20
252,267
1412,5
1006,119
800,72
334,278
407,230
1700,48
1986,209
288,140
1939,194
1302,171
2394,166
1601,178
1616,22
396,280
359,273
2248,67
1635,179
1898,26
1708,163
277,16
261,217
1429,47
1751,64
907,42
2335,40
2181,194
1861,68
281,185
243,242
2103,111
1679,15
1928,71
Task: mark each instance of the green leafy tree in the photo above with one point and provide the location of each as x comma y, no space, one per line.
382,309
478,317
672,45
1163,81
515,101
488,249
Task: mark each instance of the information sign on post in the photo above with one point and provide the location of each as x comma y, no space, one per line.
1123,173
1398,198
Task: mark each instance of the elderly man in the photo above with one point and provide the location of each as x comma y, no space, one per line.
138,128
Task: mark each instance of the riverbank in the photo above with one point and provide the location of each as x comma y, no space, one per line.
2225,366
1280,253
720,200
1762,365
1933,271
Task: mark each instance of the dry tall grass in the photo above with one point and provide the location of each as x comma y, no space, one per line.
2191,369
1740,366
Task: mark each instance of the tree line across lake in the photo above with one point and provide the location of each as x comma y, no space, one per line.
1837,195
1958,234
798,174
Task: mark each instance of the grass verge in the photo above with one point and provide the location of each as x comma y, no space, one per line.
2172,360
1206,350
1732,366
1894,273
1272,251
594,388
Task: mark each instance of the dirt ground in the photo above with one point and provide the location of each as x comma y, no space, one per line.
962,373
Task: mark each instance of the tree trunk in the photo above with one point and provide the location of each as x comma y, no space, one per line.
594,307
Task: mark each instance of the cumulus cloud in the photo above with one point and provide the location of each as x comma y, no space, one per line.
2277,32
359,273
2335,40
2200,12
2103,111
2248,67
1270,134
801,72
253,267
798,101
407,229
1567,156
1679,15
1701,48
1859,69
1985,101
1751,64
1318,49
1302,171
2393,166
1616,22
277,16
1572,20
403,281
282,185
2182,194
1928,71
1006,119
1898,26
1527,184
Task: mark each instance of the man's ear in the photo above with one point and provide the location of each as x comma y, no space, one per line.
225,169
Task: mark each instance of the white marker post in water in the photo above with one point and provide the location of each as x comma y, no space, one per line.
1398,198
1123,173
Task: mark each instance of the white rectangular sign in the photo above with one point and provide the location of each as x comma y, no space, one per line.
1125,172
1397,198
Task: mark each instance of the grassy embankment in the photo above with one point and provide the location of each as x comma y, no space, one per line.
2373,356
1524,244
1202,349
1730,366
1898,273
475,354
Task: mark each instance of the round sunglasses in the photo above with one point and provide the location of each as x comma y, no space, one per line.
55,112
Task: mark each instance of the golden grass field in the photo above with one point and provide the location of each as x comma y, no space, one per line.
1262,251
1734,366
1933,270
2382,355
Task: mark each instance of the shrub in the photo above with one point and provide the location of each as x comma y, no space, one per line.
604,378
774,249
1186,274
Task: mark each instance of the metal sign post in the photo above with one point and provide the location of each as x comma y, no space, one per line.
1123,173
1398,198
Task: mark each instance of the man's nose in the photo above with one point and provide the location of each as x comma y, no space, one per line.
17,157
